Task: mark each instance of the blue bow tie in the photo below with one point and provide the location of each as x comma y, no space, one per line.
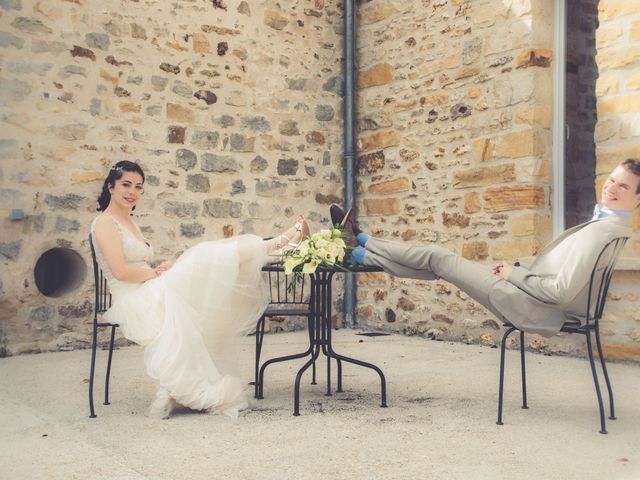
602,212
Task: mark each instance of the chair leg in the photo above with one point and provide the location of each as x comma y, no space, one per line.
94,341
106,380
523,371
328,394
501,387
606,374
596,383
311,342
259,336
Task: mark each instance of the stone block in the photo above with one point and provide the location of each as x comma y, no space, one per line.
42,313
13,90
205,140
84,310
609,157
607,85
186,159
289,128
535,115
511,145
10,250
607,35
30,25
238,187
271,188
634,31
256,124
619,104
222,208
534,57
66,225
200,43
207,96
405,304
9,40
618,58
167,67
382,206
480,176
275,20
181,209
454,220
370,163
515,197
333,85
322,199
379,74
258,164
315,138
376,12
127,107
472,202
380,140
178,113
181,88
198,183
97,40
241,143
137,31
70,201
324,113
396,185
621,352
287,166
219,163
159,83
78,51
192,230
514,249
476,251
531,224
610,9
633,82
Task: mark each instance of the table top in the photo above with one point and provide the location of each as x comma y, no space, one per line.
349,269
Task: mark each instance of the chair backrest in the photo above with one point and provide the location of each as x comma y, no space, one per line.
601,277
103,297
286,290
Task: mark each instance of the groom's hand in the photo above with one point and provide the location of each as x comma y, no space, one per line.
502,269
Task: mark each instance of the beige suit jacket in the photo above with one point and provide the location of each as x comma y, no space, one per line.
540,297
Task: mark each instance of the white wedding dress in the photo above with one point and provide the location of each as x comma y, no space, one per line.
189,318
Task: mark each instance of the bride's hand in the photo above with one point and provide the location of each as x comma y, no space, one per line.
163,267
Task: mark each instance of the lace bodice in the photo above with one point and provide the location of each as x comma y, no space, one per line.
137,253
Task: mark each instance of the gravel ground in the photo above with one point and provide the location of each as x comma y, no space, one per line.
440,422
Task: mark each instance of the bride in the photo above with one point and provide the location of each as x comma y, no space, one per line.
186,315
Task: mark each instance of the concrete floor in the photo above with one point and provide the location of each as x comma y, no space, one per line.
440,422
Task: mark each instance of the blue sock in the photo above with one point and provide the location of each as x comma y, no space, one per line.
362,238
357,255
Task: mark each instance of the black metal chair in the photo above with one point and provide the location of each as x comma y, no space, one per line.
288,298
101,305
598,288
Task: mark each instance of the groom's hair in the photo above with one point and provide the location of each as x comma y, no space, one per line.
633,165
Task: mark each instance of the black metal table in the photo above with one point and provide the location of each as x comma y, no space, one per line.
320,337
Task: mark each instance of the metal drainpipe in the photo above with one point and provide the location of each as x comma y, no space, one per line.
349,145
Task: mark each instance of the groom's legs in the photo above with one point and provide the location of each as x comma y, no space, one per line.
430,261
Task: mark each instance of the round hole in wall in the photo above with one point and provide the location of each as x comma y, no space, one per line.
59,271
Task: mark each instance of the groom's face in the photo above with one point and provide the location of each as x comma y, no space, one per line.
619,192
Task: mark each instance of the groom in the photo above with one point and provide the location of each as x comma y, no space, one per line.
535,298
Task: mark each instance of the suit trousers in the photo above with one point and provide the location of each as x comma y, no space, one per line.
429,262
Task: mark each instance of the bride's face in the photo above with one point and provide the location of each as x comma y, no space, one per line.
127,190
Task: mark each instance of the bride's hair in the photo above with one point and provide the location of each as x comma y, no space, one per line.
115,173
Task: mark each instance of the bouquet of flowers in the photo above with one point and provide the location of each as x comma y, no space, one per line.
324,248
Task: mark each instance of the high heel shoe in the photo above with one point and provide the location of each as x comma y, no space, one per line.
287,243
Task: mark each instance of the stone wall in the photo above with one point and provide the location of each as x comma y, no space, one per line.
617,137
455,118
232,107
